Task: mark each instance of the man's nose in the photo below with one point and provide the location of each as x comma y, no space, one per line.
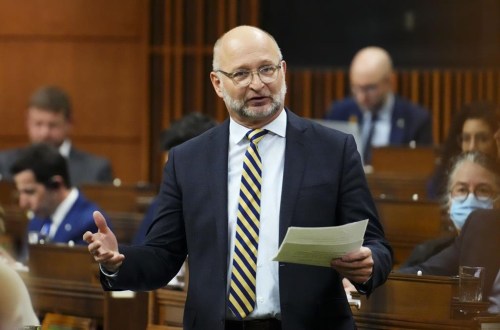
256,82
473,145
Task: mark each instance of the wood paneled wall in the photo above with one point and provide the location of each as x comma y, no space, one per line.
97,52
183,35
133,66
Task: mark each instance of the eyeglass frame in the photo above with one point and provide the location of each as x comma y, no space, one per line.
493,197
230,75
369,89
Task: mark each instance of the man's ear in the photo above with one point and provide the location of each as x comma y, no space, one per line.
216,82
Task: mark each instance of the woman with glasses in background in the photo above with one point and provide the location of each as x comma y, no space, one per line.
473,183
472,129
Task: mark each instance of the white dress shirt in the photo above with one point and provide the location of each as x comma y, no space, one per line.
272,153
61,212
65,148
383,125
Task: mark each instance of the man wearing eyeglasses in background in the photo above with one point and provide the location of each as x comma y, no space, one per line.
229,196
384,118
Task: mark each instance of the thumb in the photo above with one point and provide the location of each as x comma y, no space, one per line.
100,222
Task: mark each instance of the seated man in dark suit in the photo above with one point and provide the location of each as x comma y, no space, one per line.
477,245
49,121
384,118
60,213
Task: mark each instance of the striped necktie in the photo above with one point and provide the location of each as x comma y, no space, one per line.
243,273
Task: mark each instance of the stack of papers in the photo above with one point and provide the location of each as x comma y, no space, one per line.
318,246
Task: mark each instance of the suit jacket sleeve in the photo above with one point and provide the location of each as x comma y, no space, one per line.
154,264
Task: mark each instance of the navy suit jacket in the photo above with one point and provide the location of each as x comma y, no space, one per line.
477,245
83,167
320,188
409,122
78,220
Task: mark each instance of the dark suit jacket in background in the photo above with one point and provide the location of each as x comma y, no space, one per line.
427,249
83,167
323,185
409,122
477,245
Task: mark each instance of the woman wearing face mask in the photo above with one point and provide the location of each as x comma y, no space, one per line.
473,183
472,129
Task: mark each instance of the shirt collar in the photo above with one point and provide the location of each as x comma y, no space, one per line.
65,148
277,127
385,111
63,208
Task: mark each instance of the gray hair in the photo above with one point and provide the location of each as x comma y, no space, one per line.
474,157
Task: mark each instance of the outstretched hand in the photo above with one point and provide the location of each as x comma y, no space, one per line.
103,245
356,266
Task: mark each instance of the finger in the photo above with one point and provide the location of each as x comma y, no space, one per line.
94,246
358,255
100,222
88,237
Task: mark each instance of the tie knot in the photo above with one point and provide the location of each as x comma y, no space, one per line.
256,135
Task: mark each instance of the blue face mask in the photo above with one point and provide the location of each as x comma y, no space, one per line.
459,211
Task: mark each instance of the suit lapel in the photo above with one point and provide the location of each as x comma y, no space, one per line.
295,162
216,174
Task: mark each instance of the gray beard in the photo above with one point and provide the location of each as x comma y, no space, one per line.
243,111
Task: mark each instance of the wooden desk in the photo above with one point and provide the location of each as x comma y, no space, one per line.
65,280
413,302
125,225
16,224
407,223
166,309
387,185
404,160
125,198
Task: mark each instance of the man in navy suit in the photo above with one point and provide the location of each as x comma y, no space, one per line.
384,118
312,176
60,213
49,120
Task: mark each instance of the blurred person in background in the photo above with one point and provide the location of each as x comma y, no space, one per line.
49,120
15,303
472,129
473,183
60,212
477,245
384,118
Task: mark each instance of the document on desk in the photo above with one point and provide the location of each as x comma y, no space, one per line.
317,246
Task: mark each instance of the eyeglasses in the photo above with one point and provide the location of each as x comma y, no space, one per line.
242,78
366,89
478,138
483,192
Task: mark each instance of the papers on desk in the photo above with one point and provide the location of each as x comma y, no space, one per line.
318,246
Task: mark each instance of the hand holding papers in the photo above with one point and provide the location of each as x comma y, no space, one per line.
318,246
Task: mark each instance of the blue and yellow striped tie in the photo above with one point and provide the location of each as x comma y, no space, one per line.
243,274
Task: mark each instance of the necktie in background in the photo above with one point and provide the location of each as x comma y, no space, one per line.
243,273
367,150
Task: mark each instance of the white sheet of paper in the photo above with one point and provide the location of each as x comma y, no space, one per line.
317,246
